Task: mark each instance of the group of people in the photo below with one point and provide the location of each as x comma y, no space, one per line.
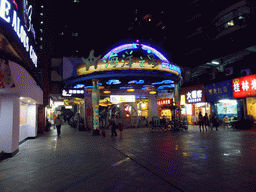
205,121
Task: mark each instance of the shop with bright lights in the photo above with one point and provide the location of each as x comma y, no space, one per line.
244,90
220,95
192,101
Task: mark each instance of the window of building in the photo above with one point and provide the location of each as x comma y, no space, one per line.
229,24
74,34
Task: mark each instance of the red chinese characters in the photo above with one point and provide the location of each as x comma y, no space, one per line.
165,102
244,86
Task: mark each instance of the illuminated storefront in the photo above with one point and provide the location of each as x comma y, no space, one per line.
192,102
220,95
245,88
20,87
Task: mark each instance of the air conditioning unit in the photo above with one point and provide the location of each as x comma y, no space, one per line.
245,72
229,71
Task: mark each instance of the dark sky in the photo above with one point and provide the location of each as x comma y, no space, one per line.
105,24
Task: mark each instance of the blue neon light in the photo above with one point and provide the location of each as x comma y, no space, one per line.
113,81
125,87
154,51
135,46
163,82
121,48
88,87
136,82
171,67
79,86
166,86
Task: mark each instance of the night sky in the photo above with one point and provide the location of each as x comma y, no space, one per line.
104,25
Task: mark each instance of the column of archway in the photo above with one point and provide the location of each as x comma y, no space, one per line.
95,106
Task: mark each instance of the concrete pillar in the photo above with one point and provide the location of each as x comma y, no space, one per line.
95,106
152,107
9,124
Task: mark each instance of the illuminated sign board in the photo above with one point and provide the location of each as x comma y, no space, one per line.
122,98
194,96
21,26
244,86
122,58
165,102
72,92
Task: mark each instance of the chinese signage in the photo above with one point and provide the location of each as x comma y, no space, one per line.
165,102
244,86
19,22
72,92
122,98
217,91
122,57
194,96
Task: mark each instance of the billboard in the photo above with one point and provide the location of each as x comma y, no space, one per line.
244,86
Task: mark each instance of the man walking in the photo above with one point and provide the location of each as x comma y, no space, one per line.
58,122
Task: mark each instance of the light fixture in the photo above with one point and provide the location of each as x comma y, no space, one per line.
152,92
215,62
106,92
101,87
130,90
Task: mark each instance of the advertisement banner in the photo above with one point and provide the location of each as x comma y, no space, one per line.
244,86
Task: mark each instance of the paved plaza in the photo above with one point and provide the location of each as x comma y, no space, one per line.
138,160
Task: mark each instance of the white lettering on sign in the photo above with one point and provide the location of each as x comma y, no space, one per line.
194,96
5,9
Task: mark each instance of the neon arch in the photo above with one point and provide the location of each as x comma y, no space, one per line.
147,48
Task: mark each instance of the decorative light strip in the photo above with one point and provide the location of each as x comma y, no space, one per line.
157,53
113,81
166,86
136,82
121,48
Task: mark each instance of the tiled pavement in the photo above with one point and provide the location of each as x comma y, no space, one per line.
138,160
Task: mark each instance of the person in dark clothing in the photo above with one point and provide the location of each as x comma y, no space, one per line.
114,126
206,121
214,121
201,121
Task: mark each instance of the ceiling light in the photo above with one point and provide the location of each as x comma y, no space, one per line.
152,92
106,91
215,62
130,90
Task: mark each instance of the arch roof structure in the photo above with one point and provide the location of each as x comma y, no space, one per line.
128,65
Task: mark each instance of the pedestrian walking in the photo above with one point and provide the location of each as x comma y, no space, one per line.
58,122
120,127
206,121
214,121
201,121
